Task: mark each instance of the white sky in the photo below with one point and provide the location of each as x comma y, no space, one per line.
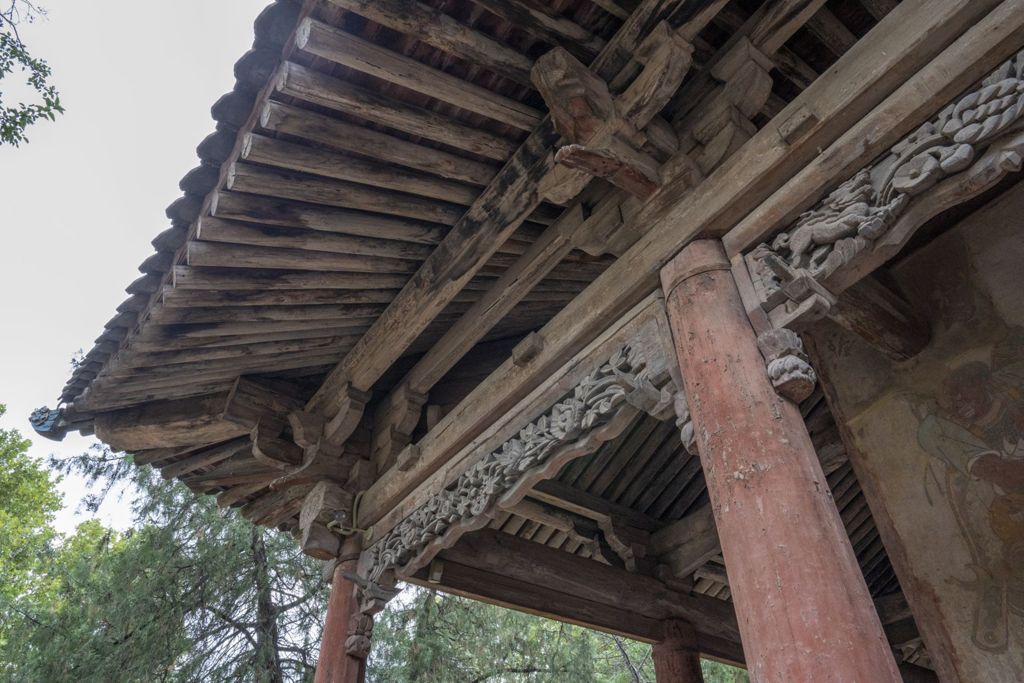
81,201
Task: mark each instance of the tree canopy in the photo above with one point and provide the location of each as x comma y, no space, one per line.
15,59
28,502
190,593
195,593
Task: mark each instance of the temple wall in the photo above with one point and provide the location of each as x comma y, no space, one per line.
938,442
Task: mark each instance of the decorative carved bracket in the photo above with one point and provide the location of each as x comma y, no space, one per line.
963,151
603,133
311,458
373,597
50,424
788,367
597,410
684,422
341,425
720,123
395,423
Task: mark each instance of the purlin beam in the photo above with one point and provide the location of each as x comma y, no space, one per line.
502,207
761,166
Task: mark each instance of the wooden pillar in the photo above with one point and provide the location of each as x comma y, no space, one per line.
676,658
336,665
804,611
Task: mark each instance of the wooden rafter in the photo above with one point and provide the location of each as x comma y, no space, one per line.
861,79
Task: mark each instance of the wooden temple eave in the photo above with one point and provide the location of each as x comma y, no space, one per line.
515,192
751,174
413,289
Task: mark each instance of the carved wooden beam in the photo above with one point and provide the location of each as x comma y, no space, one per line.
441,459
602,133
715,129
858,82
801,274
597,410
509,198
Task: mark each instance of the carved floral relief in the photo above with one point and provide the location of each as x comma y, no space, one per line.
622,382
861,212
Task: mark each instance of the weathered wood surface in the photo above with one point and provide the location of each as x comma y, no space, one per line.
446,34
397,493
802,603
349,50
676,657
272,152
230,232
168,424
204,458
498,211
986,42
243,177
317,88
687,544
555,30
315,127
531,564
335,665
862,78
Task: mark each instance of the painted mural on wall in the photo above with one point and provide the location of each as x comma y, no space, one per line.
974,432
939,443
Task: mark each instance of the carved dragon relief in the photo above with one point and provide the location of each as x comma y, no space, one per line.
964,150
597,410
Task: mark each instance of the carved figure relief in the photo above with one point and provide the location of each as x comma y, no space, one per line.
594,404
864,210
974,433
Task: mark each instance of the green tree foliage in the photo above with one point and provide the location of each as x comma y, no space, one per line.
428,637
28,501
193,593
15,59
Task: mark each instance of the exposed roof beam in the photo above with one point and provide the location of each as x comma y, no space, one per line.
335,45
860,80
524,563
439,30
338,134
499,211
554,30
307,85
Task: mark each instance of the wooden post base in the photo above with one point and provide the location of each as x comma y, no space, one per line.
676,659
335,664
804,611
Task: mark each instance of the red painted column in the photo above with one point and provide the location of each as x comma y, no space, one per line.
335,664
676,659
804,611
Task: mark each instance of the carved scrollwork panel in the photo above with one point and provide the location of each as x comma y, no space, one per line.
965,149
598,409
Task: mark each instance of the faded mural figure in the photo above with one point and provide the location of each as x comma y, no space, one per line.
976,429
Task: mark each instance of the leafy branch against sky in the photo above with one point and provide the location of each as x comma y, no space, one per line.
15,59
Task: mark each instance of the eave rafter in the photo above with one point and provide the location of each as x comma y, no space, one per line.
514,193
718,202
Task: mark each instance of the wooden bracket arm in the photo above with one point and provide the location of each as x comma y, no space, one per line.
602,134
